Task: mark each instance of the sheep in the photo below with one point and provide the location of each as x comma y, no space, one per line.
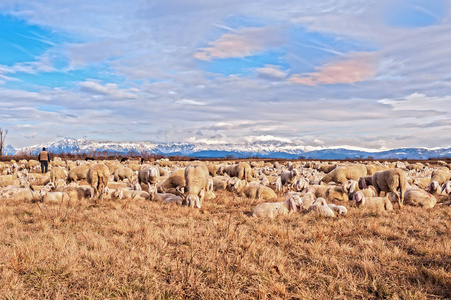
327,168
329,192
301,184
278,185
123,173
241,170
339,209
307,201
131,195
274,209
320,208
379,204
212,169
289,177
57,173
174,183
148,174
113,166
343,173
54,197
254,191
438,178
219,183
21,194
75,193
389,181
97,178
196,178
418,197
352,186
166,198
78,173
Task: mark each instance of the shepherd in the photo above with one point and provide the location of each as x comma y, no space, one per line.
44,158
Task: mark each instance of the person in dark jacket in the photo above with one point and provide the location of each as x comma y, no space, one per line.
44,158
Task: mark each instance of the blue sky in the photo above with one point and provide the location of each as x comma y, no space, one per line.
371,74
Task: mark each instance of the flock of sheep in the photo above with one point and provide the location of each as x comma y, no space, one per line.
304,186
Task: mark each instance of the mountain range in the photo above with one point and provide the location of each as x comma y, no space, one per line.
263,149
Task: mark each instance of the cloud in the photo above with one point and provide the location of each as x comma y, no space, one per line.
242,43
271,72
191,102
355,68
109,89
420,102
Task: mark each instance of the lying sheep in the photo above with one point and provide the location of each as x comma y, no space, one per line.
166,198
339,209
320,208
329,192
379,204
174,184
418,197
54,197
274,209
254,191
131,195
438,178
19,194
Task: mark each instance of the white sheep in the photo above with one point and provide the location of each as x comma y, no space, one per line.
97,177
320,208
379,204
339,209
273,209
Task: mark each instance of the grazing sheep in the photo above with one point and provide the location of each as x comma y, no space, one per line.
339,209
196,178
379,204
57,173
390,181
212,169
123,173
148,174
242,171
97,177
343,173
78,173
418,197
320,208
274,209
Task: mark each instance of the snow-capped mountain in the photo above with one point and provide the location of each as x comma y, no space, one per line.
264,149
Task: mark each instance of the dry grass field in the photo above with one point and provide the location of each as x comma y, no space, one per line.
147,250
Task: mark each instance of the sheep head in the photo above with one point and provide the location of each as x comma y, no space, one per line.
358,198
446,187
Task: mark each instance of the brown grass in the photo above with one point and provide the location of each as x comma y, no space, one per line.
150,250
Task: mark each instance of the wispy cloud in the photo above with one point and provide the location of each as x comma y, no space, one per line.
355,68
242,43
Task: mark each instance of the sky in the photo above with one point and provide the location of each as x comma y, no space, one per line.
372,74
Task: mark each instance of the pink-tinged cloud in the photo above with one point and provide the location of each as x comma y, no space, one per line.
355,68
242,43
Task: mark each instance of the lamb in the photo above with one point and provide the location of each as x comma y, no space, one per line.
274,209
57,173
78,173
339,209
418,197
352,186
123,173
320,208
196,177
343,173
390,181
379,204
97,177
131,195
148,174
